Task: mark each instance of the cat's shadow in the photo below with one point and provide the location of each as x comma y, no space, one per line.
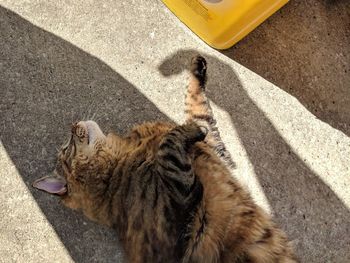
46,84
304,206
304,49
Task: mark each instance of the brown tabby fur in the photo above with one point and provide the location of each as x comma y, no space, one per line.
168,192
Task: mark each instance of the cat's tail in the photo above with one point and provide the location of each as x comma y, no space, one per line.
198,109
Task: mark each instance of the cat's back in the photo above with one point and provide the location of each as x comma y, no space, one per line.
229,226
142,211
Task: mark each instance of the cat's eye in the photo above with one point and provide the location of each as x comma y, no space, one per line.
78,130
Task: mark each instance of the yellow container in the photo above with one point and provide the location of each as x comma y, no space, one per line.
222,23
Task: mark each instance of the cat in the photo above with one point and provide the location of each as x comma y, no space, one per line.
167,189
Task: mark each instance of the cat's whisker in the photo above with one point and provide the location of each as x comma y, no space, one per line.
90,112
86,114
93,116
63,120
93,106
73,118
97,119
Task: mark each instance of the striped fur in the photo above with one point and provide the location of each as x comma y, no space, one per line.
167,191
199,111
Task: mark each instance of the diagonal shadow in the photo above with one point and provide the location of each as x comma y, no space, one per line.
304,206
305,50
45,84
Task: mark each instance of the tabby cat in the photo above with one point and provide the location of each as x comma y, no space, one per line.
167,189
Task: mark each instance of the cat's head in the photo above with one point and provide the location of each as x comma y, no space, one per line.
84,161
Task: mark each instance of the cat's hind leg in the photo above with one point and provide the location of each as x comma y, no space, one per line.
198,108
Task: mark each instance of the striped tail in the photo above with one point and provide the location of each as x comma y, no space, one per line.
198,109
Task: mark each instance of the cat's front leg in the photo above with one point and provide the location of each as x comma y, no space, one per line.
173,160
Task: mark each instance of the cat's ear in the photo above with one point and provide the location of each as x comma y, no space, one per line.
53,184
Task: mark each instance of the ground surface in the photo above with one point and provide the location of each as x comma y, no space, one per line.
287,125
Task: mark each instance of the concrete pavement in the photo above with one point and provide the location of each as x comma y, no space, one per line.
124,62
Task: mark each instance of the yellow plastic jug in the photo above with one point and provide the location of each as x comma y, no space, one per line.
222,23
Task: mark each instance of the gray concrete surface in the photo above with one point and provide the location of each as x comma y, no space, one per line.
123,62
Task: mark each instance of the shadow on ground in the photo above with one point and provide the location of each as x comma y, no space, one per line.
47,83
305,50
304,206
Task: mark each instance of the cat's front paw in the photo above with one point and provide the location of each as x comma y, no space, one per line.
199,68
